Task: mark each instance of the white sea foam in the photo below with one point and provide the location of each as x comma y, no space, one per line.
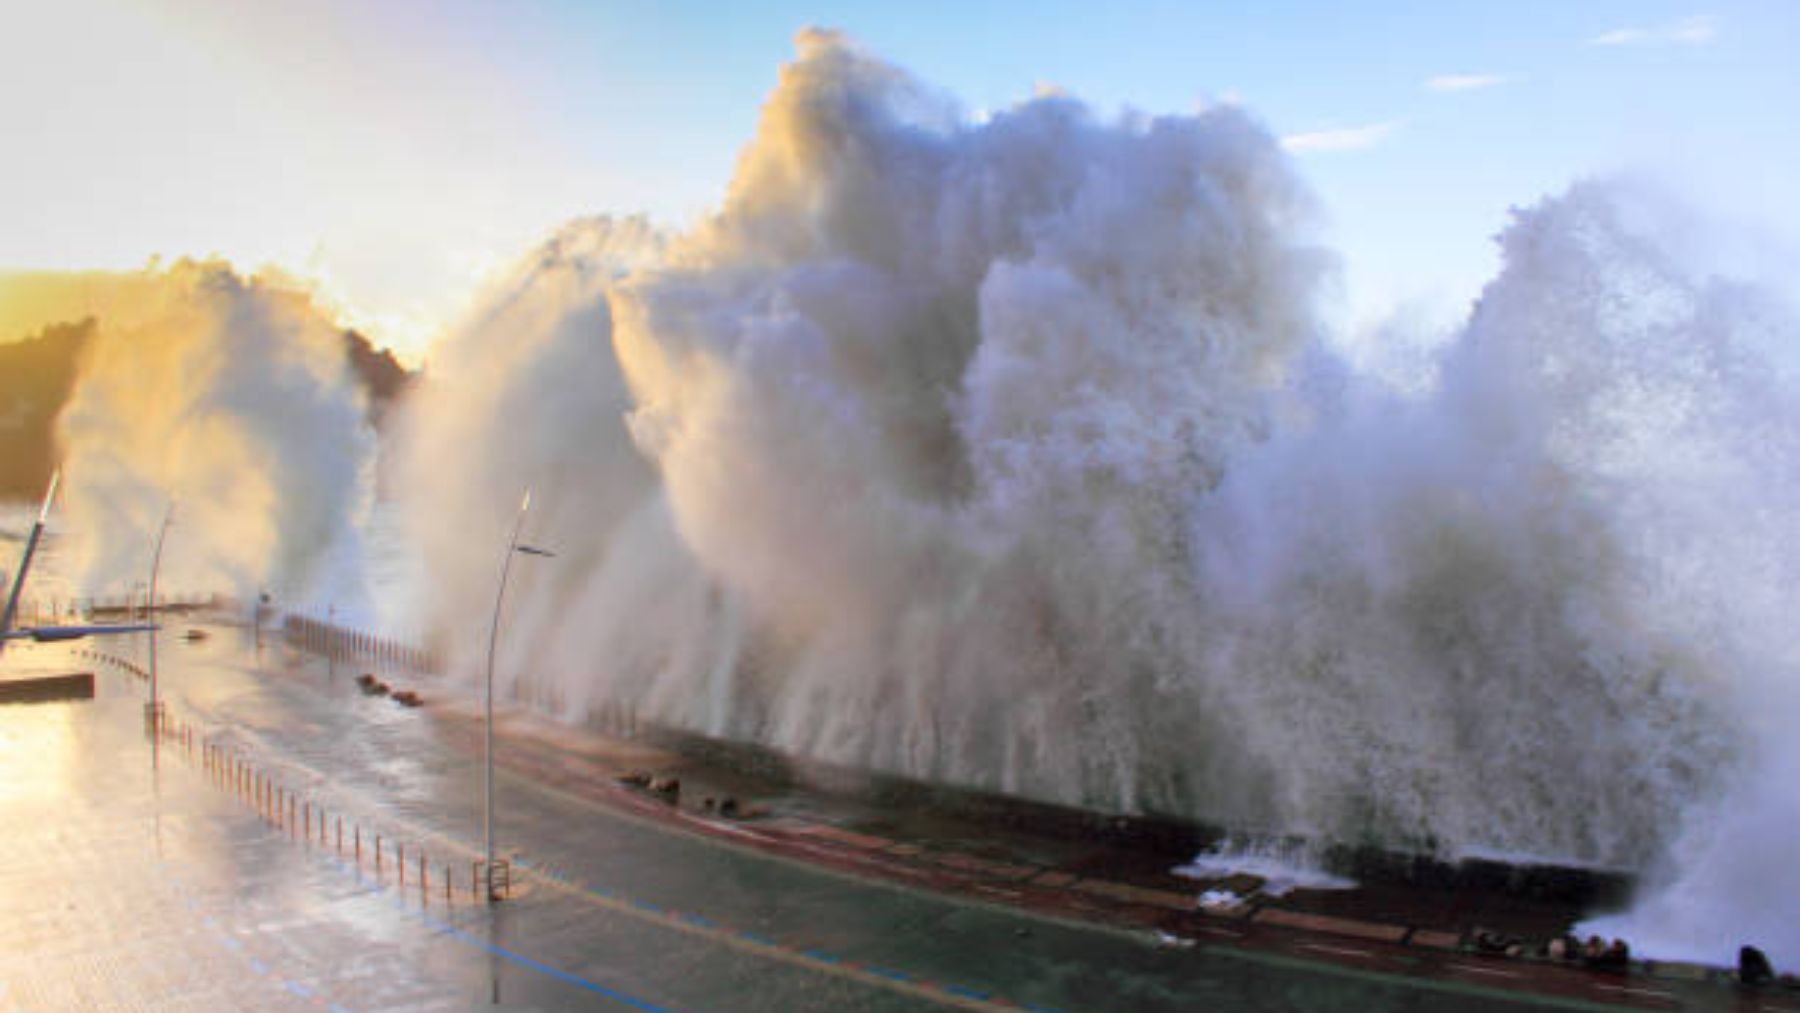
1284,865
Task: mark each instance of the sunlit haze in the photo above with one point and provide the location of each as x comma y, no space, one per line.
393,154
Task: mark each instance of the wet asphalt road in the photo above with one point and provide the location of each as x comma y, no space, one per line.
133,885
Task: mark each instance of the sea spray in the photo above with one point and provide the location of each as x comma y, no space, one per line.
1010,454
928,399
527,393
231,396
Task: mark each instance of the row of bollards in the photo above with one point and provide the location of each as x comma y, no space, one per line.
310,822
343,642
130,668
304,819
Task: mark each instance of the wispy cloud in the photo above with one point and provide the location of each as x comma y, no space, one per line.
1464,82
1341,139
1698,30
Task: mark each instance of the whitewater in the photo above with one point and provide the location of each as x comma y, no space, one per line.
1013,452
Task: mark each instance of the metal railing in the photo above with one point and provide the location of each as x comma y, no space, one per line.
348,644
313,822
37,609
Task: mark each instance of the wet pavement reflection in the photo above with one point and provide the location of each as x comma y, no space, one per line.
142,876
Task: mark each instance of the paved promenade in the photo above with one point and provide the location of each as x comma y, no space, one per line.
213,872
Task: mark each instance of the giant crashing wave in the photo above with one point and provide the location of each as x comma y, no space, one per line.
1011,453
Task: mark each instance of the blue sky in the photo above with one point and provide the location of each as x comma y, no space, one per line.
399,149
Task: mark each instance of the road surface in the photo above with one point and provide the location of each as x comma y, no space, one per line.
142,876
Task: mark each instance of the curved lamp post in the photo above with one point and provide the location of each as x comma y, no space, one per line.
153,711
513,546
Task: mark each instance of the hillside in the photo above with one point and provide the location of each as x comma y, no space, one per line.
38,373
36,376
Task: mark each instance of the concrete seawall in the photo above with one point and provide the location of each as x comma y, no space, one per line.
1161,840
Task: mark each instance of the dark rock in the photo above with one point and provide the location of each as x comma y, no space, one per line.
1600,956
1488,941
1754,967
407,698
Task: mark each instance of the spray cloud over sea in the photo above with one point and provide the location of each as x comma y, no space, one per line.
1013,453
230,396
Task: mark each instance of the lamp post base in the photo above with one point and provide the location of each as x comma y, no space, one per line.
494,880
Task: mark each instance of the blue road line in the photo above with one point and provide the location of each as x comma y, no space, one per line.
543,968
446,929
889,973
256,965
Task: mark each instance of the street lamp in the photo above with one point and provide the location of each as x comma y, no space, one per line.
153,710
487,820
